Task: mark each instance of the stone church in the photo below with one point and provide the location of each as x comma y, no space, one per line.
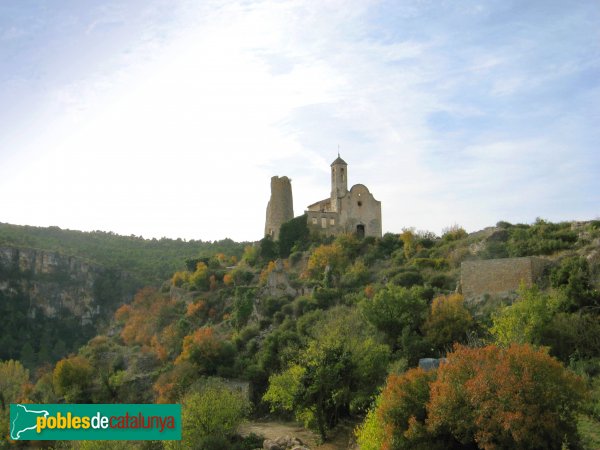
344,211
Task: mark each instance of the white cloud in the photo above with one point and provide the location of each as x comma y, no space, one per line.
179,133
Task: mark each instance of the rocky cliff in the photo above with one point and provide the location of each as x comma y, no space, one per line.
50,296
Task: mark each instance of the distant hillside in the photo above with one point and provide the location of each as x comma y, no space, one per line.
147,261
58,288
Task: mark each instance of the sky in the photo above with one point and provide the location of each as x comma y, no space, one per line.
167,118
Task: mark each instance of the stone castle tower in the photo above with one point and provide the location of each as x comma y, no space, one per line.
280,208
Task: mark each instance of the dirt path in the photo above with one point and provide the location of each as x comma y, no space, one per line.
272,430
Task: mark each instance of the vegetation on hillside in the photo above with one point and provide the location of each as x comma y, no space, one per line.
147,261
333,332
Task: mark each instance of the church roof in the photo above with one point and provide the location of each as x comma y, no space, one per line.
339,161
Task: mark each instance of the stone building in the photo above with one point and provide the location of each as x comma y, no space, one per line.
499,276
344,211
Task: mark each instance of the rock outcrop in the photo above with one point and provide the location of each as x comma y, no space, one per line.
284,443
53,284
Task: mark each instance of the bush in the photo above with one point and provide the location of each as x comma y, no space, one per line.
572,278
573,335
210,416
443,282
448,322
408,279
488,398
518,397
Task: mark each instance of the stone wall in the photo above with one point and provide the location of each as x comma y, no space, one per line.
497,276
280,208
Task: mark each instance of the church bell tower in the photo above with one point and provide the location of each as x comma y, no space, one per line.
339,180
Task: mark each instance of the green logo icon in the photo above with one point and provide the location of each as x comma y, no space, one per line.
95,422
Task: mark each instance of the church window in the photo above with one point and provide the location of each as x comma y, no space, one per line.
343,175
359,203
323,222
314,220
331,221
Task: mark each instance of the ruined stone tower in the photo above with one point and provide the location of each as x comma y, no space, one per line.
280,208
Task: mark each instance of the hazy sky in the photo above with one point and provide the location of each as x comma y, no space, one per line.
168,118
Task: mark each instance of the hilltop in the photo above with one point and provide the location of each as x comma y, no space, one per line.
341,316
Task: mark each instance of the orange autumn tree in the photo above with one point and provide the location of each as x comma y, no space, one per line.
519,397
489,398
149,312
402,409
205,351
330,257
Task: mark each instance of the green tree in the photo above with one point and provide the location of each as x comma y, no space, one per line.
370,433
251,254
293,234
335,376
212,413
399,313
572,279
14,379
72,378
525,320
284,388
268,248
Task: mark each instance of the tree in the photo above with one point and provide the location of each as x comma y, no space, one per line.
200,278
212,413
572,279
268,248
72,378
336,375
14,379
525,320
284,388
370,434
251,254
402,411
293,233
205,351
518,397
399,313
490,398
448,322
326,259
408,239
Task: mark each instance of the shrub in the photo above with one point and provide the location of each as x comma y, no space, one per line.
488,398
210,416
517,397
448,322
408,279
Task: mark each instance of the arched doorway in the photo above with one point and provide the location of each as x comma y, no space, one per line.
360,231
